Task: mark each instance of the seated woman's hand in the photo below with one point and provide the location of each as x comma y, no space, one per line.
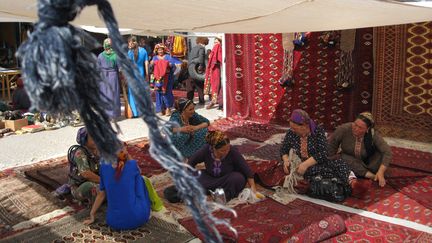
90,220
187,129
286,165
302,168
380,178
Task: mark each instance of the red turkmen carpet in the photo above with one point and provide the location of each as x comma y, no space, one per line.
416,188
413,159
139,150
236,127
390,202
363,229
270,221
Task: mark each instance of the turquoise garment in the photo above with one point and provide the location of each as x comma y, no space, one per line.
186,144
128,199
140,62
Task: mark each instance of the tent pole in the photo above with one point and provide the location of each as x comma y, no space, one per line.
223,77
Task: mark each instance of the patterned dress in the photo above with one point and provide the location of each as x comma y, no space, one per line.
186,143
81,189
317,148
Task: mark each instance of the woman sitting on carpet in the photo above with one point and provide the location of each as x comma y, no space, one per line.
309,143
190,136
225,167
365,151
84,171
130,196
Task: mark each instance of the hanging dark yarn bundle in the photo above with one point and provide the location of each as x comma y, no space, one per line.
61,76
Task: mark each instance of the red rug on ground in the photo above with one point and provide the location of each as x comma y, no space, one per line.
413,159
269,172
236,127
139,150
388,201
270,221
396,172
363,229
417,188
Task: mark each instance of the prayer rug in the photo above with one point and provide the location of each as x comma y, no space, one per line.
364,229
270,221
417,188
402,76
236,127
413,159
72,229
21,200
388,201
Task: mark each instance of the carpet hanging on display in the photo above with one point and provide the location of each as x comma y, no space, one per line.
254,66
402,88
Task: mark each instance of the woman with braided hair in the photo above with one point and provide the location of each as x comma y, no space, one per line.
225,167
365,151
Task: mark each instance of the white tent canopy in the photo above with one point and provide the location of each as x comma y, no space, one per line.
238,16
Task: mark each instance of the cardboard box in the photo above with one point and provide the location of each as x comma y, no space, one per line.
16,125
2,125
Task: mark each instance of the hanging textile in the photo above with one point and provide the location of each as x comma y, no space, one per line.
345,77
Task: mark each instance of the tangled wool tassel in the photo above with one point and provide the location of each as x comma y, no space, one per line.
61,76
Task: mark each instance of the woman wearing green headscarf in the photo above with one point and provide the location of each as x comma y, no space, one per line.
109,87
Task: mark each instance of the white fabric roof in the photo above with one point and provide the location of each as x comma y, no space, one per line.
238,16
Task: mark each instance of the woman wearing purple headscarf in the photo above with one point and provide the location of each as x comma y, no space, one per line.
310,144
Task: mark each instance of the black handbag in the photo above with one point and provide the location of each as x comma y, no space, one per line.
329,189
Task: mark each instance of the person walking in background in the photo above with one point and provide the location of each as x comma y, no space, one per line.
110,87
163,73
139,56
212,85
196,68
362,148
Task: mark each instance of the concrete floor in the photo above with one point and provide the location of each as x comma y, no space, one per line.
25,149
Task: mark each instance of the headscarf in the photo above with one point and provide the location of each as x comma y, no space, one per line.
108,52
82,136
367,118
160,45
215,138
122,157
301,117
183,103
